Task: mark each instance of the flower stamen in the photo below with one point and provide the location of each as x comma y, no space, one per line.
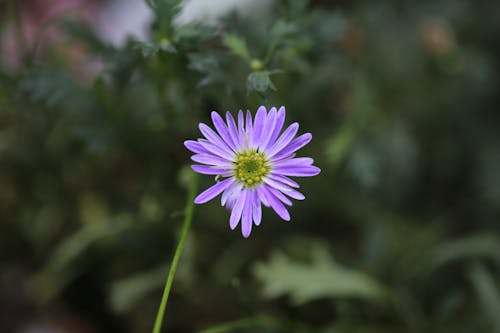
250,168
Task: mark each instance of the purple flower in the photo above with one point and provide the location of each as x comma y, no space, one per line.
252,163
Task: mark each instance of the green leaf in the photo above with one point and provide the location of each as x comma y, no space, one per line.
339,145
126,292
208,65
61,266
49,86
74,246
238,46
481,246
282,29
260,82
279,32
323,277
192,34
165,12
84,34
150,49
251,322
487,293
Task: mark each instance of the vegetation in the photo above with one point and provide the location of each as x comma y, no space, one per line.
399,232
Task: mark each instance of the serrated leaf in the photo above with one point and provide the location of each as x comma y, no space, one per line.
192,33
165,10
238,46
207,64
321,278
150,49
203,63
48,85
260,82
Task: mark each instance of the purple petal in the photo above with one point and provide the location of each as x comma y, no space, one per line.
246,218
213,191
195,147
237,210
262,195
210,170
295,145
276,204
215,149
230,203
214,138
275,184
249,130
284,180
274,159
283,140
294,162
241,126
304,171
258,125
268,129
280,120
257,209
212,160
294,194
231,192
285,189
233,132
222,129
280,196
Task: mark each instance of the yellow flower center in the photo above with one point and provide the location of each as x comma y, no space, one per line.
250,168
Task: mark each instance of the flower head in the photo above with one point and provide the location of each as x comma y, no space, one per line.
252,163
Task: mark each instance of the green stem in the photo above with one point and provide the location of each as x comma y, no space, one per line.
188,217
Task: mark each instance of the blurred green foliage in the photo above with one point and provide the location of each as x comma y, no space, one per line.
402,100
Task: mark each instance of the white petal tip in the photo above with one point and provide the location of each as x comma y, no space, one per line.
233,225
201,199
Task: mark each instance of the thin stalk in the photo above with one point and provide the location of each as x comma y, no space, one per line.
188,217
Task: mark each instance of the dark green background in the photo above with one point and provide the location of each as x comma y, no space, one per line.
399,232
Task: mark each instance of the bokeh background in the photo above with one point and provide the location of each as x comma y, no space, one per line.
399,233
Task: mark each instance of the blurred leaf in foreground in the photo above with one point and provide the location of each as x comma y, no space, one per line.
487,293
126,292
323,277
481,246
